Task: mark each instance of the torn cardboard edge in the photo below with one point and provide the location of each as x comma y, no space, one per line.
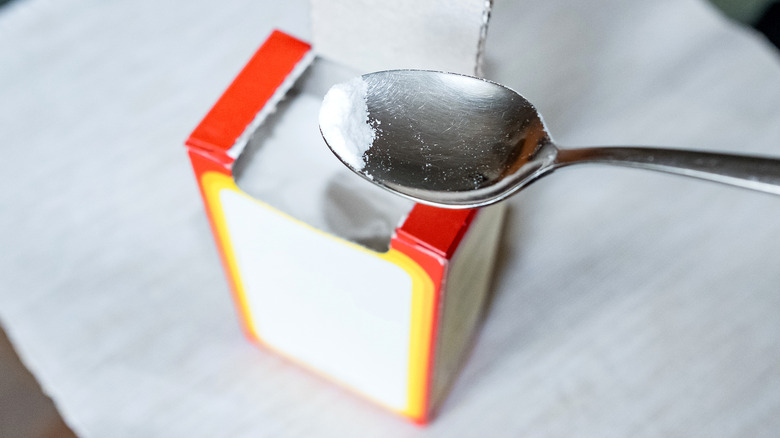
375,35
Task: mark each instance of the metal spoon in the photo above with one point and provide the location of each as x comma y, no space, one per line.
456,141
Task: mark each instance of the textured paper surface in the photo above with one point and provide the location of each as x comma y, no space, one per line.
626,303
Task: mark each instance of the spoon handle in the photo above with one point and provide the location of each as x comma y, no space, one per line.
751,172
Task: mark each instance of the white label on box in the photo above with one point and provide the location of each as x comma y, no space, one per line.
332,306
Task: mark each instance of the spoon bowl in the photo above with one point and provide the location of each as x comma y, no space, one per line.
457,141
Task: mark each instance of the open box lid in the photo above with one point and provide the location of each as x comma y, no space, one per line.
263,78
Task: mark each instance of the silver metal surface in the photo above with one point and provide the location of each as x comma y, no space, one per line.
461,142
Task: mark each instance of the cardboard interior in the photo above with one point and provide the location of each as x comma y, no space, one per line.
287,165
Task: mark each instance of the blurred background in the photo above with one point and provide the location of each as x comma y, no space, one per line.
45,29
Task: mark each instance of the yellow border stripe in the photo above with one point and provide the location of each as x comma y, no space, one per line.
421,332
213,183
421,329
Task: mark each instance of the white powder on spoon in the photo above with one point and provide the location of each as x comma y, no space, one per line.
344,121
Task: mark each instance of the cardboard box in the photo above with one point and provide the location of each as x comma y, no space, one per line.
393,325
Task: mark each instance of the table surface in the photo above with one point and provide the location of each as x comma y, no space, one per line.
626,303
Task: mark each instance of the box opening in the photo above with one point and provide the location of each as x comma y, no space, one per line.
287,165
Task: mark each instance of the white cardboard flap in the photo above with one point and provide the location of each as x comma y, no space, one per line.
373,35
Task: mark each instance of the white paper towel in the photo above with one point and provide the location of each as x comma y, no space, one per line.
626,303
